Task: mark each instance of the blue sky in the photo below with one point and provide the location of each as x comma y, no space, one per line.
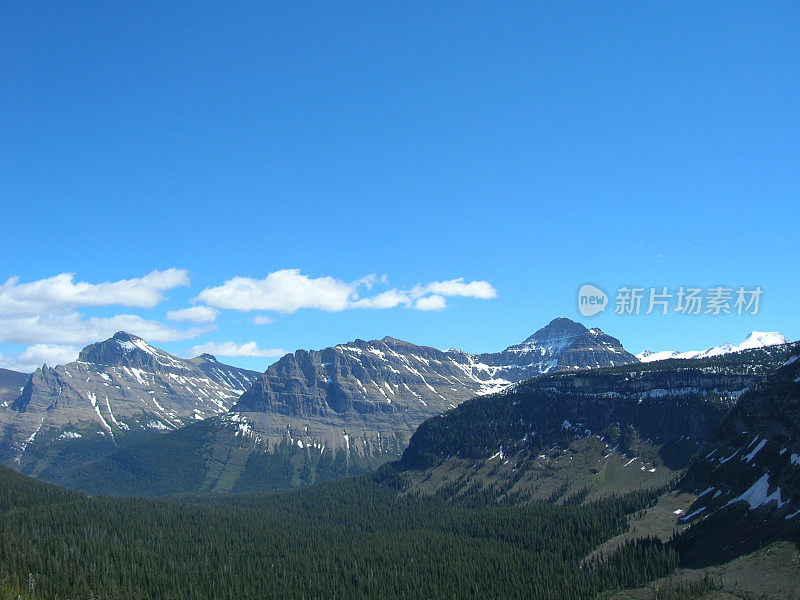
529,147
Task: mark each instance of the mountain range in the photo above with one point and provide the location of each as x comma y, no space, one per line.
128,418
312,414
390,386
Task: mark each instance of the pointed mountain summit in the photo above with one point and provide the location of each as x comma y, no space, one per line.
561,345
558,329
756,339
204,358
125,349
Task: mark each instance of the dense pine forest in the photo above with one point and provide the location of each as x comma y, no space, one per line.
356,538
179,464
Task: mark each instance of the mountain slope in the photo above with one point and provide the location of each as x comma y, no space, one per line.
749,483
727,425
632,426
346,409
117,391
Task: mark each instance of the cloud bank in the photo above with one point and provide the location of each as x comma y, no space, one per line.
39,354
73,328
287,291
45,313
59,293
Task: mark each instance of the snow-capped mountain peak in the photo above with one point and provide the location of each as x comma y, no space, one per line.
759,339
756,339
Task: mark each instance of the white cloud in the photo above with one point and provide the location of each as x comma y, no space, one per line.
60,293
457,287
40,354
370,280
388,299
73,328
283,291
431,296
434,302
234,349
287,291
194,314
43,312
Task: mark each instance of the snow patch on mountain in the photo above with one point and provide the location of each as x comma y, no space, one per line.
757,495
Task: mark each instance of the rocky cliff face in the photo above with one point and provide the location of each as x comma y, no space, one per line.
362,377
119,389
392,385
368,397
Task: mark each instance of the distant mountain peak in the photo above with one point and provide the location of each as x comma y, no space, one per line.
361,397
562,344
765,338
120,348
124,336
558,328
755,339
